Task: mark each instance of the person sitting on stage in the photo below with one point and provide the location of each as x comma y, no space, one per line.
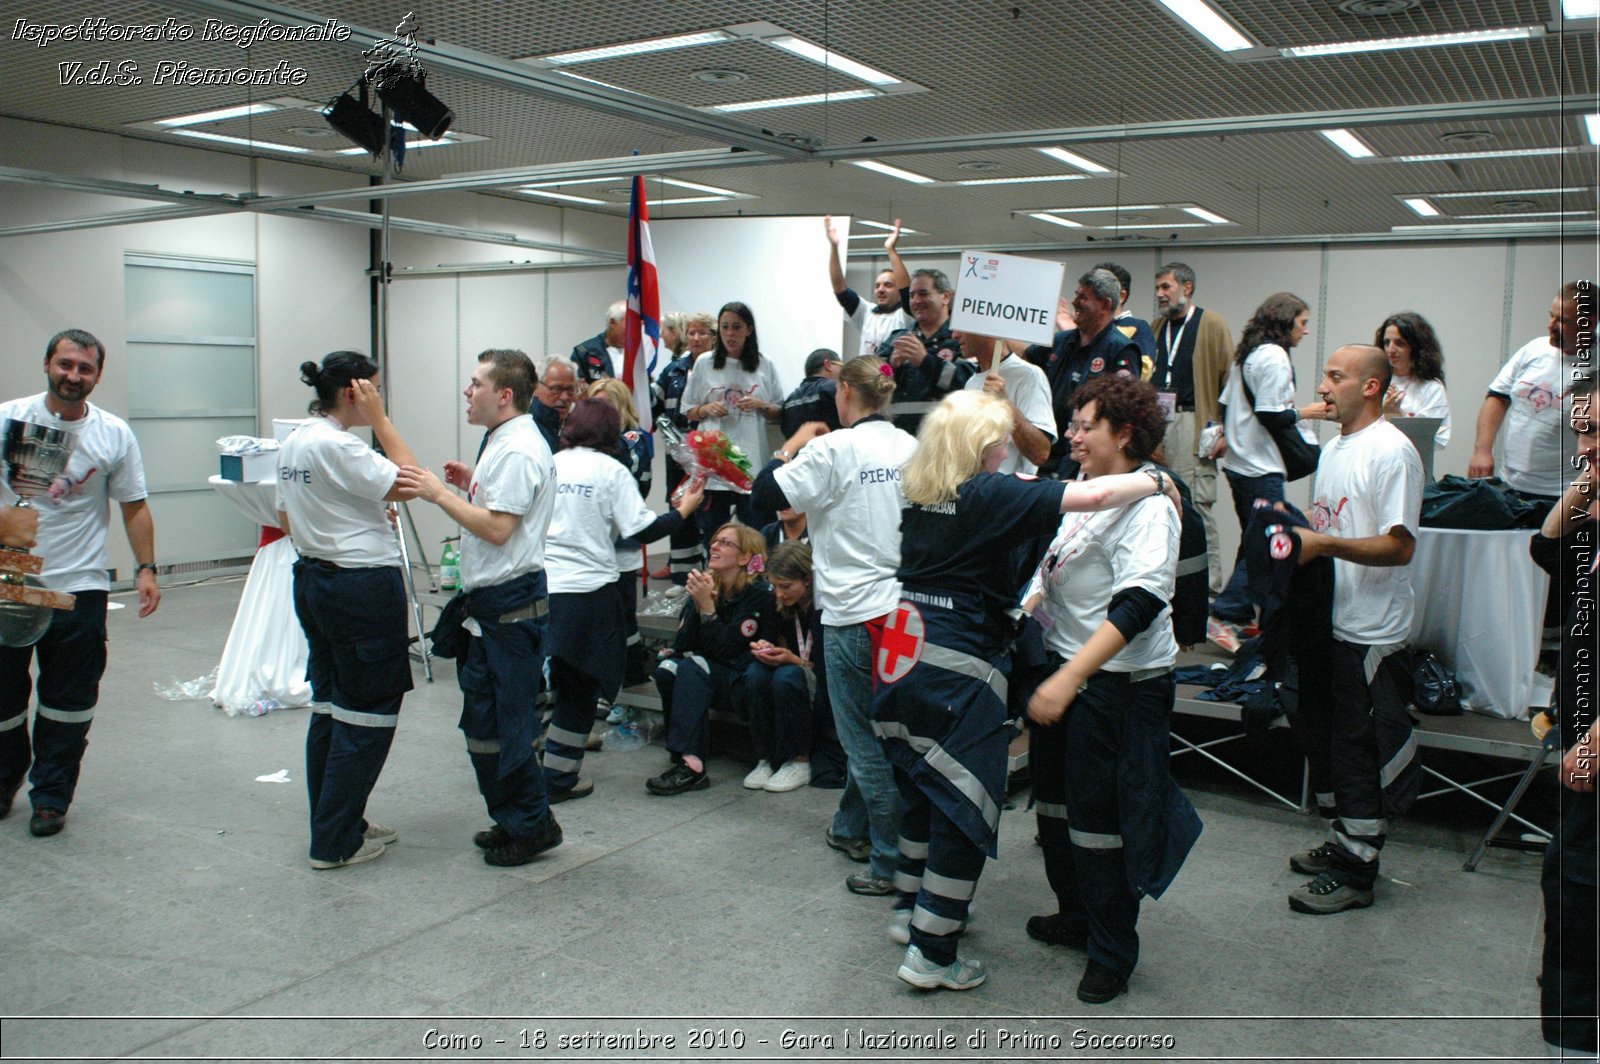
730,608
785,677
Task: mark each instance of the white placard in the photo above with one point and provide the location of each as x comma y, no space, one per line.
1007,296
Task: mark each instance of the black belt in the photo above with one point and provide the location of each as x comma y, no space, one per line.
319,563
1182,409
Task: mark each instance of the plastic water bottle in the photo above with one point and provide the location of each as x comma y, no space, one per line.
631,734
449,567
262,706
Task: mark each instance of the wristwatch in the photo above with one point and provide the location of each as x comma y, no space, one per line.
147,565
1160,478
782,454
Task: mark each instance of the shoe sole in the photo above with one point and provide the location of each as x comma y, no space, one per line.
1301,906
389,838
1101,999
44,829
490,859
762,786
354,859
859,855
935,981
869,892
770,789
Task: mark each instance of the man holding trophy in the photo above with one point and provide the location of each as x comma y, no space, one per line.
66,459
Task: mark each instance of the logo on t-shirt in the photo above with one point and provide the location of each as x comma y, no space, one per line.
1327,517
1537,394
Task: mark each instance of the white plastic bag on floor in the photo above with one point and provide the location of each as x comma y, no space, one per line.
265,656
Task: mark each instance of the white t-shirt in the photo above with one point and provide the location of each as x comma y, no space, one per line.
332,485
748,430
1535,381
1367,483
597,503
75,517
1029,390
875,328
1420,398
1096,555
515,475
847,483
1252,452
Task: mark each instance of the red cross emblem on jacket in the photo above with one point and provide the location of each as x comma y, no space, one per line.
899,644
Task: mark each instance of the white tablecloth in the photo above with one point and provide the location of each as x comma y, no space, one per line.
1480,607
265,656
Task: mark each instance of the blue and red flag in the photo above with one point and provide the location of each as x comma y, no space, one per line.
642,338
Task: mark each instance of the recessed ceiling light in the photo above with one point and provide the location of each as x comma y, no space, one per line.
1456,156
794,101
1065,156
201,134
720,76
1421,206
1533,214
1591,125
1205,21
1056,219
1348,143
1160,226
559,196
1111,207
832,60
411,145
1021,180
1576,9
692,187
1466,136
1476,227
1432,40
1509,192
221,114
892,171
1207,216
885,226
687,199
978,166
654,44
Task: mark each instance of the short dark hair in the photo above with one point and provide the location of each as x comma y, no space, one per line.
595,424
1123,401
1181,272
819,358
83,339
510,368
940,279
334,376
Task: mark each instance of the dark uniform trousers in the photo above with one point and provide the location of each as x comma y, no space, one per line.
356,628
690,687
72,658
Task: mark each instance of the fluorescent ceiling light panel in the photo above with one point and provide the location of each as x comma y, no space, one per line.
1205,21
793,101
974,181
575,76
1112,207
1432,40
1348,143
1056,219
1591,124
1065,156
1472,227
892,171
1456,156
887,228
1421,206
411,145
1508,192
687,199
654,44
1156,226
832,60
1571,10
221,114
575,181
1532,214
559,196
243,142
692,187
1207,216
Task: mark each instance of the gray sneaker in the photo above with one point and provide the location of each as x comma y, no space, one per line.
1312,862
926,975
1328,894
370,850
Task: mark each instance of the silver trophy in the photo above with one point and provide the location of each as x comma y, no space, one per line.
35,455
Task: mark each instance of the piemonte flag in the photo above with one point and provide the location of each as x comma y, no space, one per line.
642,338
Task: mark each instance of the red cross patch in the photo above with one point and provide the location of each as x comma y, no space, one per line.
747,627
900,646
1279,543
1097,365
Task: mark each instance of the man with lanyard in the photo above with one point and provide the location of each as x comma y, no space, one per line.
1193,349
73,522
1092,348
504,517
597,357
890,294
1365,510
552,398
926,359
813,399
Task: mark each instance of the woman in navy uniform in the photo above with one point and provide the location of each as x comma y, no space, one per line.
785,677
730,608
333,496
1112,823
941,660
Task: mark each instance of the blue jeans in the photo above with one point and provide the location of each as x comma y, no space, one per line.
1234,603
870,805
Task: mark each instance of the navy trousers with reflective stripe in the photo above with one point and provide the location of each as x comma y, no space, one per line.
937,873
72,658
689,690
570,724
357,634
512,788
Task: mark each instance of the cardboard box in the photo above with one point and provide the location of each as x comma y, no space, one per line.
250,468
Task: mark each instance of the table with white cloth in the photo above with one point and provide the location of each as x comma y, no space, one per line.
265,655
1480,607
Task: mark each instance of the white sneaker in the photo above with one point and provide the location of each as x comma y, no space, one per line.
370,850
758,776
617,715
957,975
900,926
791,777
379,833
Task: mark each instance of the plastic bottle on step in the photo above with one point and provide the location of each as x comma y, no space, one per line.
262,706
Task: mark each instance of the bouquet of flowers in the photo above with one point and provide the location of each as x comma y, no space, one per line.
707,453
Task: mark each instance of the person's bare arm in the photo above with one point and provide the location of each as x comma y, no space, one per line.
491,526
835,267
897,266
1490,415
140,525
1394,547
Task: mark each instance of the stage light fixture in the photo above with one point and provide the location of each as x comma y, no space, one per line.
405,90
357,121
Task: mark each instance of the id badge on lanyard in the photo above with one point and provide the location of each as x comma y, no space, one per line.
1169,404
